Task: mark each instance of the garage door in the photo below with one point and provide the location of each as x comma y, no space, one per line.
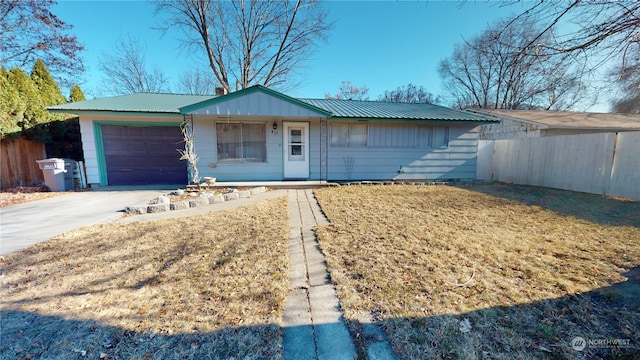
137,155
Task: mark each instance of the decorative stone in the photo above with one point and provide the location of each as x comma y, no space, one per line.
136,209
258,190
163,199
156,208
244,194
178,192
216,199
199,201
193,194
231,196
179,205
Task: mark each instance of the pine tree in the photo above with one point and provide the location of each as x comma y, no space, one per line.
49,89
76,94
33,111
11,106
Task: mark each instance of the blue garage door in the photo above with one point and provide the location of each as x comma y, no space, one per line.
138,155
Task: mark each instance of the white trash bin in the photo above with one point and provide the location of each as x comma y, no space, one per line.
58,173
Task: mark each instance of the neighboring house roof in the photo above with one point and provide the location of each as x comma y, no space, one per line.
569,120
333,109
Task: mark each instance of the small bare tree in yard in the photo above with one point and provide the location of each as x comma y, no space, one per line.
249,42
189,152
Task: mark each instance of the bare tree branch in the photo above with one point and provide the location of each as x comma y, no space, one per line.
126,70
250,42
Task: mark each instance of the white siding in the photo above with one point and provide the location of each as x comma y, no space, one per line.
257,104
376,162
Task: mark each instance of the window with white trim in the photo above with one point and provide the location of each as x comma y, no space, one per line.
349,135
432,136
241,142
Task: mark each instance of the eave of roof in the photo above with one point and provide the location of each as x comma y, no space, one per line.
568,120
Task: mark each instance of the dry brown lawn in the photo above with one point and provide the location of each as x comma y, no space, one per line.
14,196
487,271
205,287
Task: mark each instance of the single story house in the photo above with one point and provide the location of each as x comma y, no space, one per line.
258,134
518,124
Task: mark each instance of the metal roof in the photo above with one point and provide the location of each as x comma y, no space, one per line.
334,109
568,119
142,102
388,110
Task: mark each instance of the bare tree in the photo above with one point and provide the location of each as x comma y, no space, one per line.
126,70
410,94
197,82
605,27
248,42
625,77
350,92
30,31
501,69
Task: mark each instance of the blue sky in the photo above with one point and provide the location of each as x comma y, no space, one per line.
380,44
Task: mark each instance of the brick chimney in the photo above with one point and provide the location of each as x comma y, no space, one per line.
221,91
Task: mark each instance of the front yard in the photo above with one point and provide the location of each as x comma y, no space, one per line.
210,286
487,271
475,272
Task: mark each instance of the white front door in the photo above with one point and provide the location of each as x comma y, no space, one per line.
296,150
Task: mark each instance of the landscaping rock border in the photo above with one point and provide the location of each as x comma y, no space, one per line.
203,199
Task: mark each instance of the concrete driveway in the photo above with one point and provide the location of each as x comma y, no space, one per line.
29,223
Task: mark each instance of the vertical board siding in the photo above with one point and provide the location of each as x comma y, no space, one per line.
18,166
89,149
256,104
375,162
607,163
624,178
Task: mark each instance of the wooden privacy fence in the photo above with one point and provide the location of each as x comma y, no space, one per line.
605,163
18,165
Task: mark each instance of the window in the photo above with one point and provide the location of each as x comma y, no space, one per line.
242,142
432,136
349,135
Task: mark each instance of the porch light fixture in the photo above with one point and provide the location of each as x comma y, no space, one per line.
275,125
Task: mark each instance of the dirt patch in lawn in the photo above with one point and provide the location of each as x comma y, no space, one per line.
209,286
19,195
487,271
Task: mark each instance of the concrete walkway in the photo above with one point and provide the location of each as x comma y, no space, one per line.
313,324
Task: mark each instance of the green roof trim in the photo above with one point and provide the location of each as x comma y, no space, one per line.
250,90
